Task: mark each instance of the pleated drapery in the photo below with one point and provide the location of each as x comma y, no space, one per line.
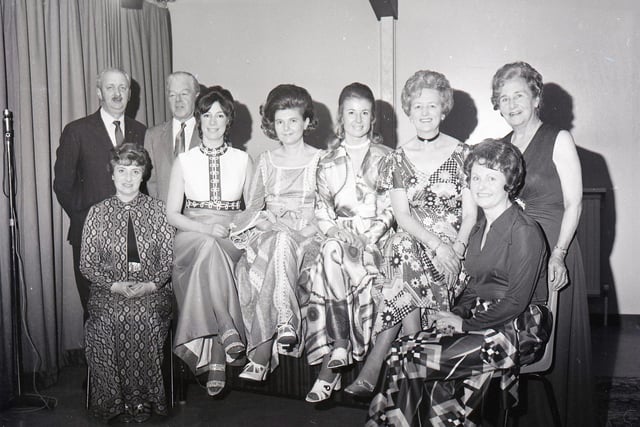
53,50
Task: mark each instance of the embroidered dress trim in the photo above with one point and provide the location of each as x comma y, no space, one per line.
218,205
215,201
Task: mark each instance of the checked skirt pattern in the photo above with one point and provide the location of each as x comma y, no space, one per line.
437,379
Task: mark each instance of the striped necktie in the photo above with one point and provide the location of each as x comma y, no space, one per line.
178,146
119,135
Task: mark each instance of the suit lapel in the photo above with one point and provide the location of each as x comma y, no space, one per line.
130,133
99,130
167,141
195,138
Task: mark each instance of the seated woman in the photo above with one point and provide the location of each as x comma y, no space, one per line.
213,178
435,213
127,253
278,231
355,218
445,370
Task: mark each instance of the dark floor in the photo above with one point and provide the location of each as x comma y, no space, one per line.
616,350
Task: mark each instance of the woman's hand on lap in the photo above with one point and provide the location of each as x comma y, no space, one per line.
218,230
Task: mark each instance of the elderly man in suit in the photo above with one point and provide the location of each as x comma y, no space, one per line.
165,141
81,170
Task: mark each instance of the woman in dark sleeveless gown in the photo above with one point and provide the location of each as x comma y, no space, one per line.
552,195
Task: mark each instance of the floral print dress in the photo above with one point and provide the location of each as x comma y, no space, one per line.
412,279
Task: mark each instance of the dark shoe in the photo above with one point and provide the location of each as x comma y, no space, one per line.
126,416
360,388
142,412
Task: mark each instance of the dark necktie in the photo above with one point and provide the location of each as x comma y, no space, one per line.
178,147
119,135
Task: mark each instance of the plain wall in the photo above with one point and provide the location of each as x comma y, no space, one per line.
587,50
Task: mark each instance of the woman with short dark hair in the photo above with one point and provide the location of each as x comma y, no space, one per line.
438,376
279,233
213,178
127,254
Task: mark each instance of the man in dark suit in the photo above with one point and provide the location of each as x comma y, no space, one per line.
82,176
165,141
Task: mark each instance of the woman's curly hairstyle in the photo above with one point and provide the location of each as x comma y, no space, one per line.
284,97
513,70
427,79
130,153
209,97
500,156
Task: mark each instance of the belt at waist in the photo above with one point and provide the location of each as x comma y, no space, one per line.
218,205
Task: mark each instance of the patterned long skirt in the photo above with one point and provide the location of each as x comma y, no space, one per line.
338,299
437,379
413,282
267,277
124,341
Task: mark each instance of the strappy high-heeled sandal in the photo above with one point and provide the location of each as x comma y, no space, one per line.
339,358
286,335
231,343
254,372
215,385
322,389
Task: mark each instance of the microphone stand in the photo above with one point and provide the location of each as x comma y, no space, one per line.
19,400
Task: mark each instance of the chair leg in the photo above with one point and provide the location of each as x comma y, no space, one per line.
171,369
181,381
88,392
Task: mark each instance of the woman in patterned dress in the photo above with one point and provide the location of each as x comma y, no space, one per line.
278,231
212,178
434,212
438,376
552,195
355,218
127,253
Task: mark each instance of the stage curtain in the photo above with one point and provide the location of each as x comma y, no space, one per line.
53,50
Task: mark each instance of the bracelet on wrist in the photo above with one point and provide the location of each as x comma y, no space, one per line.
464,245
435,248
557,249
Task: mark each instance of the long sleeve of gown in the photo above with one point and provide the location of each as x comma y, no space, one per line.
325,213
524,262
160,265
97,263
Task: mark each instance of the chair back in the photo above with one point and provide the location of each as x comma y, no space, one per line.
545,362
